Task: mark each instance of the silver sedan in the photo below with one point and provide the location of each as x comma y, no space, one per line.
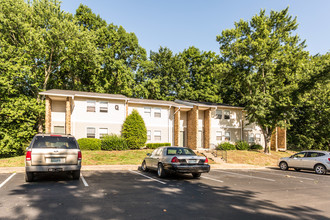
319,161
175,160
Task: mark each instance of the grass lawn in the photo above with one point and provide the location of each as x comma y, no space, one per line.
135,157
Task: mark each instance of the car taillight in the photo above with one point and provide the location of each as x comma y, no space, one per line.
175,160
28,156
79,155
206,161
328,159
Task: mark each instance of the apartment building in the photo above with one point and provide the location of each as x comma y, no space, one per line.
198,125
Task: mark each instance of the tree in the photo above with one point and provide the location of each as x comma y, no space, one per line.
134,130
265,60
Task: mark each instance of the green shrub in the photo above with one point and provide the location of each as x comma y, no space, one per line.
89,144
242,145
226,146
134,130
113,142
256,147
156,145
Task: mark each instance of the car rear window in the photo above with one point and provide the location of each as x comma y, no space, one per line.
179,151
55,142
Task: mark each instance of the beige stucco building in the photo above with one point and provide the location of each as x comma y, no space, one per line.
198,125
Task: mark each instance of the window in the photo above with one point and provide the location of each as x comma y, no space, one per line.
219,135
157,113
148,135
251,138
218,114
59,130
90,106
147,111
299,155
227,136
104,107
258,137
227,114
157,135
103,132
90,132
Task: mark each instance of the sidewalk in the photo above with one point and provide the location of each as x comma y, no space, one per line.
133,167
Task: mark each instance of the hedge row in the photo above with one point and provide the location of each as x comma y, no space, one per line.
156,145
89,144
240,145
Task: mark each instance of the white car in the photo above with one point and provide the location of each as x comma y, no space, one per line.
319,161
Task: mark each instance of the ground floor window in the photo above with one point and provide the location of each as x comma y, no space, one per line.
219,135
59,130
227,136
251,138
157,135
90,132
258,137
103,132
148,135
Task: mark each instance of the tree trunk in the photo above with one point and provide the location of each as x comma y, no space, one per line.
267,137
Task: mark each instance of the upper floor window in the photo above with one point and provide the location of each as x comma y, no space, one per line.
104,107
157,113
147,111
218,114
90,106
227,114
90,132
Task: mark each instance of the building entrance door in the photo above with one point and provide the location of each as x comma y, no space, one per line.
200,139
182,138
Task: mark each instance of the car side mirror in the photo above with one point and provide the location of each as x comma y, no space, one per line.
148,154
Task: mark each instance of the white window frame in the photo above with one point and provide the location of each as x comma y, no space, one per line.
90,104
102,133
104,107
218,114
226,114
147,111
149,135
157,135
258,137
227,137
251,138
157,112
88,135
218,135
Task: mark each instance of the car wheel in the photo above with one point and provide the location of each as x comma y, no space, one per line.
160,170
297,169
196,175
28,177
284,166
320,169
76,175
144,166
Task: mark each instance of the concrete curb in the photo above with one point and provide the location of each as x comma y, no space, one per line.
134,167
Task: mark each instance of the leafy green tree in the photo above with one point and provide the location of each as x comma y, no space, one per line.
134,130
265,60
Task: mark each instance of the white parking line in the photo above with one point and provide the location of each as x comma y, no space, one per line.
204,177
11,176
285,175
148,177
83,179
237,174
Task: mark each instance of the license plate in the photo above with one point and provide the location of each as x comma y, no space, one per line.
192,161
55,160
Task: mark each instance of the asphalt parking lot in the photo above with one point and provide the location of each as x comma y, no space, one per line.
132,194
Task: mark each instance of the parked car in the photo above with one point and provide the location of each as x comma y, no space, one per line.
319,161
52,153
175,160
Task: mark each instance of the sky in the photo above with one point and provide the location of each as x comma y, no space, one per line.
179,24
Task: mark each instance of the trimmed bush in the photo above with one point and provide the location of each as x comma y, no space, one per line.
226,146
89,144
256,147
134,130
242,145
156,145
113,142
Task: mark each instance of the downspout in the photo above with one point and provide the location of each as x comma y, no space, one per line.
168,124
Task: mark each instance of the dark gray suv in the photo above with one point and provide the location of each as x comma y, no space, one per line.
52,153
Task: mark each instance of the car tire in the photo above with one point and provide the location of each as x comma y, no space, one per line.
320,169
76,175
28,177
144,166
160,171
283,166
297,169
196,175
